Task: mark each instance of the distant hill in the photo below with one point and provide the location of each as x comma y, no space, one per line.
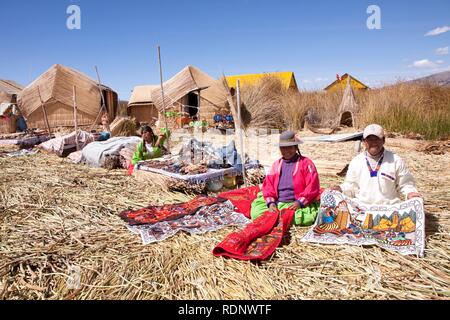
442,79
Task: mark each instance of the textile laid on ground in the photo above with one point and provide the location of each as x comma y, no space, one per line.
211,174
154,214
342,220
259,239
206,219
57,145
24,139
97,153
126,154
242,198
76,156
20,153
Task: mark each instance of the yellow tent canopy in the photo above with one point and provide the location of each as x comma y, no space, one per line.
287,79
341,83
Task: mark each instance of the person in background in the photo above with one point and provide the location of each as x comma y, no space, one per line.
151,146
292,183
106,130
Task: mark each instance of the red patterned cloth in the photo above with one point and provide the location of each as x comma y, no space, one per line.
259,239
242,198
154,214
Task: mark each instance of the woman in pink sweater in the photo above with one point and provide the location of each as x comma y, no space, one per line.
293,182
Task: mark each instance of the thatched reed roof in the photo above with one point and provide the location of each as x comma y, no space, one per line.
190,79
287,79
146,101
143,94
348,108
341,83
348,102
56,89
216,94
8,89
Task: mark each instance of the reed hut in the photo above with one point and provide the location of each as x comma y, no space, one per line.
182,93
141,106
348,109
9,91
52,92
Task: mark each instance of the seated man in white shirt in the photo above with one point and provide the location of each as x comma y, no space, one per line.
377,176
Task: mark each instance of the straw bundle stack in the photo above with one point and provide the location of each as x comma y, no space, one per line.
123,127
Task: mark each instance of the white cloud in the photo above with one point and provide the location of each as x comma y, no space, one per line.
440,61
321,79
442,51
425,63
306,81
437,31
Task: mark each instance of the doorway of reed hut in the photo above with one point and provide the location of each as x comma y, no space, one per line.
346,119
192,107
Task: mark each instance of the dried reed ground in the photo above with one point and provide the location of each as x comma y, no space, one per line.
55,215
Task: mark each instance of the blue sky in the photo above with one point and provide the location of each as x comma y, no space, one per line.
315,39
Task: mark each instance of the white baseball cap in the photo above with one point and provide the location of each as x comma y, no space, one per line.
373,129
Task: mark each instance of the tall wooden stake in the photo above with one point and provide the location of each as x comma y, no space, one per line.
241,131
198,104
75,115
44,111
103,106
163,101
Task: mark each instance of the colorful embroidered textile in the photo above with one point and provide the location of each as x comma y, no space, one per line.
342,220
206,219
154,214
242,198
259,239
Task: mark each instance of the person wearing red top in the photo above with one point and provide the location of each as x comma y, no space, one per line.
293,182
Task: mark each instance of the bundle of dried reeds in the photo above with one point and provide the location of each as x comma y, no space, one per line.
260,104
123,127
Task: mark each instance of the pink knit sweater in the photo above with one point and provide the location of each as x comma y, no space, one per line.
305,178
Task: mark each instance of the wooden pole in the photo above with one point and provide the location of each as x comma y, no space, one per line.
162,96
75,115
241,132
198,103
103,106
44,111
230,99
